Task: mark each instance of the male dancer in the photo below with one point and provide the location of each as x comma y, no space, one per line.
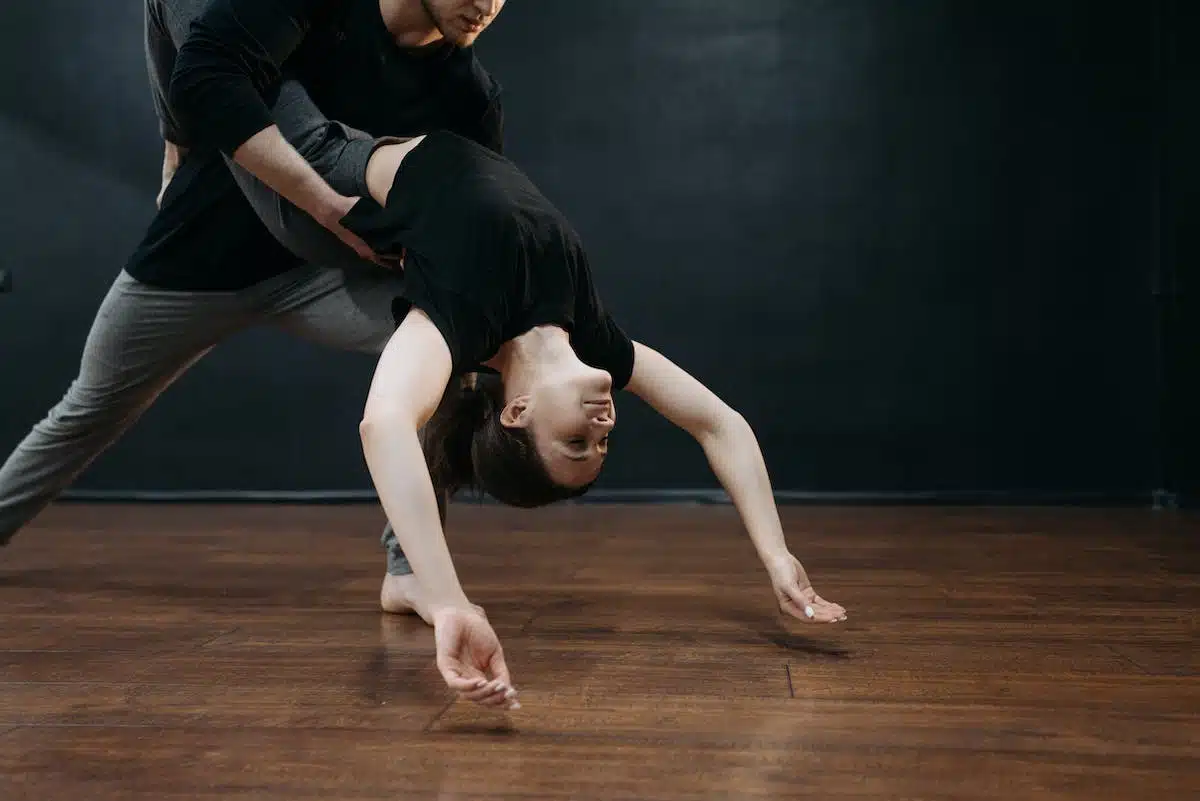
208,267
350,58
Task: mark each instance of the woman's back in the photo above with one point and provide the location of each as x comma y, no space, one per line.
487,255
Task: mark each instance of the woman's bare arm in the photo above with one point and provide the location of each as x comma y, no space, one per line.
733,453
408,384
409,380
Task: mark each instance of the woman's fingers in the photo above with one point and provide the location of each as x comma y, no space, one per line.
479,690
836,609
806,605
499,668
491,694
471,660
461,680
485,692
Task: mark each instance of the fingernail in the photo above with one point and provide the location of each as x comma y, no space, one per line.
808,611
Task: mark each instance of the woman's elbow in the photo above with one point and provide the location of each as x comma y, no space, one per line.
734,422
375,424
386,421
721,425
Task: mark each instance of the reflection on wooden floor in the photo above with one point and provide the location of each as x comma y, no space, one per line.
238,653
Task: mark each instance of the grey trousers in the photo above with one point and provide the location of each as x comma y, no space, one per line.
143,338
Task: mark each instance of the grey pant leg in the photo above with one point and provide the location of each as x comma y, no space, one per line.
141,341
347,310
397,562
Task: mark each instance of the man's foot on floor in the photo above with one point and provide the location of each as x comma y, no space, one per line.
401,595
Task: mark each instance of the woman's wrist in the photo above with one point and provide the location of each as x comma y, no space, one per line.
779,561
451,605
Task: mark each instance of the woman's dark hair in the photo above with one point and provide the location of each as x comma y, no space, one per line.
467,447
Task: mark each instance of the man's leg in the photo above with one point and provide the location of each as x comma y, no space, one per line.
348,310
351,310
397,562
142,339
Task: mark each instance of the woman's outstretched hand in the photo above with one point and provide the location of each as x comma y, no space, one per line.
796,596
470,658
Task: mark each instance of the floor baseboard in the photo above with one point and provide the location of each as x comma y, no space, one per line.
1131,498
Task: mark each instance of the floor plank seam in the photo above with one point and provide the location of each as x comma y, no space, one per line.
787,669
213,639
1126,658
441,713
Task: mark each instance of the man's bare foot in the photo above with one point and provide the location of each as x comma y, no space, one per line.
401,595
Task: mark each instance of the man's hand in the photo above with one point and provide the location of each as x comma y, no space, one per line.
330,215
470,658
173,156
795,594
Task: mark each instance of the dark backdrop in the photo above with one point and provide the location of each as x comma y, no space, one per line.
918,243
1180,283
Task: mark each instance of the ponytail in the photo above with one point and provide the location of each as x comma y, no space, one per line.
446,439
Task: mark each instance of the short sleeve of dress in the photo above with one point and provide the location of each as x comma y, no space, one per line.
469,333
604,345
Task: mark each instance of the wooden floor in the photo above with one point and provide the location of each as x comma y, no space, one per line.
237,653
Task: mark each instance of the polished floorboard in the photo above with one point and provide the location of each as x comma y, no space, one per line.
237,652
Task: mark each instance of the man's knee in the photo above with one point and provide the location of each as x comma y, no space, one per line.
86,408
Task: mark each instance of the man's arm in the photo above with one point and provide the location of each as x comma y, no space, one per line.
160,63
232,58
735,457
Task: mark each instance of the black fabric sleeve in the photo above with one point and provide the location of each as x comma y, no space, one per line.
597,339
606,346
230,63
337,152
470,336
160,63
491,127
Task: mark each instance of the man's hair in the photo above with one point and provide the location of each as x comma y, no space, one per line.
467,447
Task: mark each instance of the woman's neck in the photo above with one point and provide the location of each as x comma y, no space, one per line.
535,351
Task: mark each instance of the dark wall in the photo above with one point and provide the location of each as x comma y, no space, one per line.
1181,238
914,241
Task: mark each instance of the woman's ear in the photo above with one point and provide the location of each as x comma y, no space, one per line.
515,413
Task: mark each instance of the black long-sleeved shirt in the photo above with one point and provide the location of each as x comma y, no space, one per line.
208,236
228,70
